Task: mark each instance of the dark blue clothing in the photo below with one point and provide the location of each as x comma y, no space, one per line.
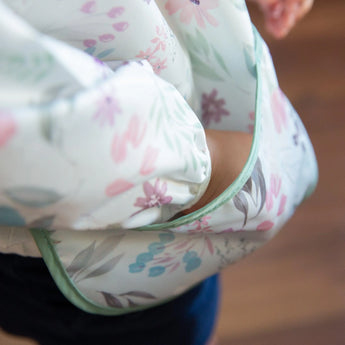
32,306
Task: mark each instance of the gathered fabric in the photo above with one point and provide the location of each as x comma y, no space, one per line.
103,111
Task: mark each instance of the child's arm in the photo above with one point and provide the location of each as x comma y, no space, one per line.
229,152
282,15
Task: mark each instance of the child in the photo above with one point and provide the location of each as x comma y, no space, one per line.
114,147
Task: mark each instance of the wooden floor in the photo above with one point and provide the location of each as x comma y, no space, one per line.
292,291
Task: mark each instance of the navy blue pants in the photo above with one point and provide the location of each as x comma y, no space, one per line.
32,306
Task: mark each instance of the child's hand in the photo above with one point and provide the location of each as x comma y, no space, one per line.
229,152
282,15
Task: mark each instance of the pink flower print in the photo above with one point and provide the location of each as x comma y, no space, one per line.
193,9
158,65
275,185
7,128
115,12
201,224
88,43
89,7
107,108
154,195
278,110
282,204
121,26
212,108
265,226
160,39
134,134
252,119
106,38
119,186
146,55
150,157
160,44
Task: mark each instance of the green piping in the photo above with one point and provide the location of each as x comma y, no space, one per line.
242,178
56,268
67,286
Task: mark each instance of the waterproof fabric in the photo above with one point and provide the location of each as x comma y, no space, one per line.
98,154
41,312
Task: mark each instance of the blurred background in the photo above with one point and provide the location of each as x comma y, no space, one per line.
292,291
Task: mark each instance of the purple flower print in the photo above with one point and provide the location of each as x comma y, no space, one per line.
212,108
155,195
107,108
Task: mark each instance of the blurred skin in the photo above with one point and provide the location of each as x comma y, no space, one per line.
229,150
282,15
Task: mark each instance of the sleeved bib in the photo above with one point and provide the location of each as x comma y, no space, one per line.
103,107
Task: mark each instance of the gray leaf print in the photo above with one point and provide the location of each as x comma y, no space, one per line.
105,268
105,248
33,196
81,260
241,204
141,294
260,184
111,300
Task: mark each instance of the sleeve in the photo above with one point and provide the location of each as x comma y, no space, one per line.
85,147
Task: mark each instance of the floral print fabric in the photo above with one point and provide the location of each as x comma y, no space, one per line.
103,106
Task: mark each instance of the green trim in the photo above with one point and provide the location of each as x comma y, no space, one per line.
56,268
247,170
67,286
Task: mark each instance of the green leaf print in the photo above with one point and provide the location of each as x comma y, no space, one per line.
202,42
203,69
249,59
220,61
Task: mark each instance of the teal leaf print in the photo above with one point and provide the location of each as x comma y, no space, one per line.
156,271
10,217
192,261
105,53
90,50
33,196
